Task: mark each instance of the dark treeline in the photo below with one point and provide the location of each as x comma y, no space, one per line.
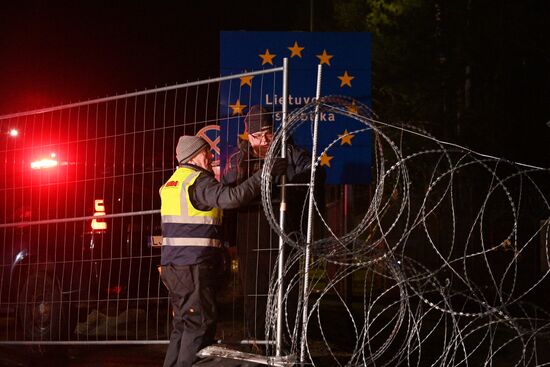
473,72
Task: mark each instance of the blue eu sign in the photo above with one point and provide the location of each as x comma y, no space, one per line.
346,60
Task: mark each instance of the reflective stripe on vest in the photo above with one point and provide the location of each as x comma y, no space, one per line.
182,223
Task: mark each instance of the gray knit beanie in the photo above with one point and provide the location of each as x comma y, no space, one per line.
258,118
188,146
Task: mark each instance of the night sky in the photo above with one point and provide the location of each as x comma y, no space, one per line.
52,54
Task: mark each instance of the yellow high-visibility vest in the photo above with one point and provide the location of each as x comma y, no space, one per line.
182,223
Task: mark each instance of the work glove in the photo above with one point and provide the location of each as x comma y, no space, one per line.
279,166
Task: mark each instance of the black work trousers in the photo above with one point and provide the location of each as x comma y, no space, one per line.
193,297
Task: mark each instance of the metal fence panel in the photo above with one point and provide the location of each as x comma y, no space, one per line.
79,222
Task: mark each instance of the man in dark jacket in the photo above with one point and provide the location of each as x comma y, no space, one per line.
192,201
257,245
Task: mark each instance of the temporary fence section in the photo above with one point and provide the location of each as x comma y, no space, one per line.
448,257
80,223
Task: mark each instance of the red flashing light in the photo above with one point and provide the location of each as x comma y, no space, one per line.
98,224
44,163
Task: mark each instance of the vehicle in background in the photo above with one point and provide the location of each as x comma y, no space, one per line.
77,237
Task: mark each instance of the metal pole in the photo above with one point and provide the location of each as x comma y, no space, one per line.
86,342
79,219
141,93
282,212
309,239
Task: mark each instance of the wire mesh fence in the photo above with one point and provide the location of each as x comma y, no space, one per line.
80,223
446,261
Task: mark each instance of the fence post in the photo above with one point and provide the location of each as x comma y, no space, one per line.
282,212
309,238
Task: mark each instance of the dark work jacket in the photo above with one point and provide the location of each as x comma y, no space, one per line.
205,194
243,164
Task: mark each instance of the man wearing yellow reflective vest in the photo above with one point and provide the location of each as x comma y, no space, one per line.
191,256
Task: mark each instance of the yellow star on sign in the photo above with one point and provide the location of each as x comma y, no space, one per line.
267,58
295,50
346,79
346,137
247,80
325,159
325,58
352,107
237,107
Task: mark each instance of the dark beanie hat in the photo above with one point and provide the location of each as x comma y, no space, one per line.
188,146
257,119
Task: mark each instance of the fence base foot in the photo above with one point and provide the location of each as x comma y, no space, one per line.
224,352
